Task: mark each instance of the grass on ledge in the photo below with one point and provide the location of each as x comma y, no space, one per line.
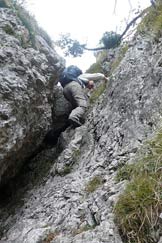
138,208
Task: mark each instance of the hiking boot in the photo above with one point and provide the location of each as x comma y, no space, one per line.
75,122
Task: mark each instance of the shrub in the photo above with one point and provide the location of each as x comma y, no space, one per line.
111,39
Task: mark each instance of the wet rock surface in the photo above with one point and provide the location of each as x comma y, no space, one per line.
66,193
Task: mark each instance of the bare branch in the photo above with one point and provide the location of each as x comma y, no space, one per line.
115,6
132,22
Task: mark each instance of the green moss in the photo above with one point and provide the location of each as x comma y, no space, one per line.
67,169
152,21
138,208
94,184
97,92
8,29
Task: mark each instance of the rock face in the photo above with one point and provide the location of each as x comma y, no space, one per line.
66,194
27,76
72,200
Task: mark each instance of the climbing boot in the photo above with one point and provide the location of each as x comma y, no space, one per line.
75,122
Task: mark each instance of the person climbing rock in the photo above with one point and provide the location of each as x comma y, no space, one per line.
73,82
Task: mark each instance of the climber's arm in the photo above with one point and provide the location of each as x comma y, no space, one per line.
86,77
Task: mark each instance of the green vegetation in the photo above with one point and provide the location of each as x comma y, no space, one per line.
31,24
51,236
83,229
110,39
9,30
76,153
74,48
97,92
27,20
138,208
152,21
120,56
67,169
125,172
94,184
95,68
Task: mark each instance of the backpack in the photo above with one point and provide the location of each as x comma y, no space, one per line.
69,74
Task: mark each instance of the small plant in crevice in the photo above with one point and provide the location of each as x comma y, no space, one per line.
138,208
8,29
119,57
66,170
50,237
94,184
82,229
97,92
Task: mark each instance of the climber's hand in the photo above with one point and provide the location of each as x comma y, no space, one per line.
106,79
90,84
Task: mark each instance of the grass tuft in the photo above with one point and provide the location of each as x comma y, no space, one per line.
138,208
94,184
152,21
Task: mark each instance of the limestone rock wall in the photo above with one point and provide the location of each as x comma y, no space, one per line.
73,201
27,76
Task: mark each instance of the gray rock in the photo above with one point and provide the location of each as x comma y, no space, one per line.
74,198
25,94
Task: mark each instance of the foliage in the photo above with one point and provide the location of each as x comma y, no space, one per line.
110,40
138,208
152,21
74,48
94,184
70,46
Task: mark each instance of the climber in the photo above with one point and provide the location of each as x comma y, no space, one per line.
73,82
